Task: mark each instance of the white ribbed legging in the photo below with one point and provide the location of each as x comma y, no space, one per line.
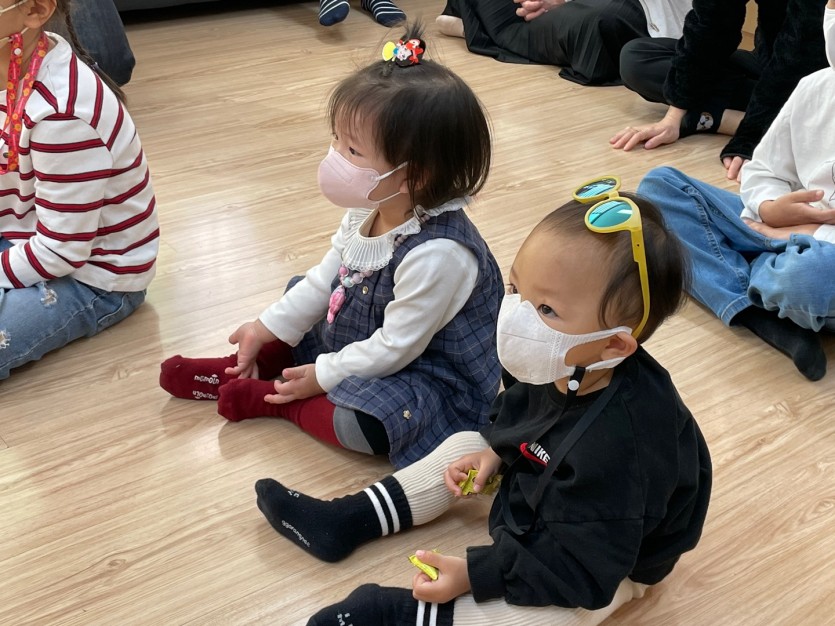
428,497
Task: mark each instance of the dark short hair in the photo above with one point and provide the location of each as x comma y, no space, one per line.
424,115
667,266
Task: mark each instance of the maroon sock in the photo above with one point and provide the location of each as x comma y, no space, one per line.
243,398
314,416
195,379
273,358
200,379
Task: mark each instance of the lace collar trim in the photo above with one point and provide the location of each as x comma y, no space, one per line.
364,253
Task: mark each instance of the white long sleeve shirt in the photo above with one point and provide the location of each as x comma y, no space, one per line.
81,203
432,284
798,151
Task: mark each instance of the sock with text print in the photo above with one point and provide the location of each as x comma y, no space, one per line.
331,529
200,379
373,605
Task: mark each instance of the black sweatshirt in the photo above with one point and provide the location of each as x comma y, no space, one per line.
788,43
629,498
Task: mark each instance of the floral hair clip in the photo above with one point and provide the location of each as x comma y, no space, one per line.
404,53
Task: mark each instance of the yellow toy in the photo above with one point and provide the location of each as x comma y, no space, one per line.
430,571
468,483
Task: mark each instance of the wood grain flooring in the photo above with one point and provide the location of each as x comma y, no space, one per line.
121,505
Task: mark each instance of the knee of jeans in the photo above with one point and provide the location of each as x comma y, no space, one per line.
659,177
48,296
790,278
128,303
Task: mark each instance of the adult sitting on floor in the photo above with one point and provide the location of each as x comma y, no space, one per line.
711,85
585,37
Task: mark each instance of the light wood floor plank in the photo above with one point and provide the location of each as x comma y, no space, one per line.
123,506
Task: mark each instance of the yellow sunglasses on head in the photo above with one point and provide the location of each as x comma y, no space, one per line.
611,213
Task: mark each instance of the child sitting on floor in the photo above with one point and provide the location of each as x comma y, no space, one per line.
763,259
79,233
606,476
393,333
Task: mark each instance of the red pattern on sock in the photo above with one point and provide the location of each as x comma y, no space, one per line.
195,379
242,399
200,379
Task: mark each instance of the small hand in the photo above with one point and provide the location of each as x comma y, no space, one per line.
794,208
734,167
301,383
453,579
782,233
486,462
531,9
250,337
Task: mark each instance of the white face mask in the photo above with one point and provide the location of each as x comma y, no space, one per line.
8,38
348,185
829,35
9,8
533,352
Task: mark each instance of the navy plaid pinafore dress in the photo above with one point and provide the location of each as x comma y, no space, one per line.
447,389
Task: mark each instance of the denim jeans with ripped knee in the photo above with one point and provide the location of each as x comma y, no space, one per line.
44,317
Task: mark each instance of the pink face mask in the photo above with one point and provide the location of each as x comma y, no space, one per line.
348,185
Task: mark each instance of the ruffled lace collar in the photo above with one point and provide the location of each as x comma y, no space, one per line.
363,253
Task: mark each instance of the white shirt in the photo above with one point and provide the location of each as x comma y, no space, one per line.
432,284
665,18
797,152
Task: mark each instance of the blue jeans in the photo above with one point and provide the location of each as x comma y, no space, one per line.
734,266
39,319
101,33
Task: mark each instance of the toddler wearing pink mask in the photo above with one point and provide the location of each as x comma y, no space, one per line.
388,345
605,476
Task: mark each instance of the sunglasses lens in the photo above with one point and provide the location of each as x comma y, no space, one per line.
597,188
610,213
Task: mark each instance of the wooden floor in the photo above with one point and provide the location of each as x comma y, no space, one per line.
121,505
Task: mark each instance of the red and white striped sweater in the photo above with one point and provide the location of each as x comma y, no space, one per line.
81,203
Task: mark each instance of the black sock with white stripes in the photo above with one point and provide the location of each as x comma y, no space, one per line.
333,11
385,12
332,529
373,605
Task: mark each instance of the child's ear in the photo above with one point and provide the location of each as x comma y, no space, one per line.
619,346
404,184
38,12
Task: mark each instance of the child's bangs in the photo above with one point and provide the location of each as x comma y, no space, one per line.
355,107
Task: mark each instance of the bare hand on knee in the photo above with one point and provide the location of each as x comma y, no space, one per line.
531,9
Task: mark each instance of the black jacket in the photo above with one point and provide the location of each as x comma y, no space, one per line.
788,43
628,500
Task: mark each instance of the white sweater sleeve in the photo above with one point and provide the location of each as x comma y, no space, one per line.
307,302
432,284
771,172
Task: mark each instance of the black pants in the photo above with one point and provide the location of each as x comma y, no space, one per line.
585,37
644,64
